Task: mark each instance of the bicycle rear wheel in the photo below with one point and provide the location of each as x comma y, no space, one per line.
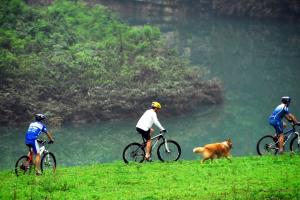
295,145
23,166
168,151
134,152
48,163
267,145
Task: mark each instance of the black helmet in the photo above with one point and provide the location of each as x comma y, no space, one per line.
286,99
40,117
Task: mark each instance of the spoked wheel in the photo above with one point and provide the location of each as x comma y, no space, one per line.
169,151
134,152
295,145
267,145
23,166
48,163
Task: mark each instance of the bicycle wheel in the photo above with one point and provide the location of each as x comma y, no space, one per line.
23,166
134,152
267,145
48,163
168,151
295,145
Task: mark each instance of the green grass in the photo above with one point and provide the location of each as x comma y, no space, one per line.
274,177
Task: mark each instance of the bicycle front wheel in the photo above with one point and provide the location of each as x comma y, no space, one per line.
295,145
134,152
23,166
267,145
48,163
168,151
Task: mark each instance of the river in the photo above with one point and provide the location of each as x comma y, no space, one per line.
256,61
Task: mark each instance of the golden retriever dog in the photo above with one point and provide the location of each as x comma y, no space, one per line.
215,150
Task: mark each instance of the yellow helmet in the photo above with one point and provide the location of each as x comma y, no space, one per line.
155,104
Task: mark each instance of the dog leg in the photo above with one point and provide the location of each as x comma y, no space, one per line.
203,160
228,158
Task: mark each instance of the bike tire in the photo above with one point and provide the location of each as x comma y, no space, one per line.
267,145
48,163
22,166
173,155
134,152
294,145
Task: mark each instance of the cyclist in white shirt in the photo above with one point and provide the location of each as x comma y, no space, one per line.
144,126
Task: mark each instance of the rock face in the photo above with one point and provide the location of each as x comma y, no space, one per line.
262,9
108,103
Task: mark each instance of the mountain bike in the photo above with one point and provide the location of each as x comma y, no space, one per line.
269,144
24,164
167,150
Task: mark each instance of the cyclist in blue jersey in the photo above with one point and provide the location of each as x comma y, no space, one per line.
275,119
34,130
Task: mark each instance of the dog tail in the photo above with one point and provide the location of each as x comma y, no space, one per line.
198,150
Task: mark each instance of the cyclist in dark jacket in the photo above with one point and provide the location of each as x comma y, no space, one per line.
275,119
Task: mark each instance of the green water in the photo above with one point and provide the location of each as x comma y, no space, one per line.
257,62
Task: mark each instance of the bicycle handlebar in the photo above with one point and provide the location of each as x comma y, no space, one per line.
44,141
296,124
163,131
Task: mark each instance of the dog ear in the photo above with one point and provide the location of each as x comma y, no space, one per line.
229,140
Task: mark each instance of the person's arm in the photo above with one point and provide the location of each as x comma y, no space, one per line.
157,123
49,135
290,117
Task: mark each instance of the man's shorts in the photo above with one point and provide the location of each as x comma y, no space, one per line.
145,134
278,126
34,146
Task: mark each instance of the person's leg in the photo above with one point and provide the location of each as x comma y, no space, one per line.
279,131
30,154
148,143
37,161
148,149
36,150
281,141
147,138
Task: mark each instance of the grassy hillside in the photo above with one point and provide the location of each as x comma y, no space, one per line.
274,177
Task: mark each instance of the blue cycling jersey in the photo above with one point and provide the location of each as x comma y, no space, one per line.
279,112
34,130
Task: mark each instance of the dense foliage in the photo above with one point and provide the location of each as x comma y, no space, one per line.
273,177
75,62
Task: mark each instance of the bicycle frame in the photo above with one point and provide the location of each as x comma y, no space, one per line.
25,163
289,133
167,150
42,151
156,139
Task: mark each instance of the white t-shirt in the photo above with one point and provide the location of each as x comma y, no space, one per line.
147,120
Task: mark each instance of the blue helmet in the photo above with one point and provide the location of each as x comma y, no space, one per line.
40,117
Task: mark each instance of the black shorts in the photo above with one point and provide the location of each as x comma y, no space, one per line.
145,134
